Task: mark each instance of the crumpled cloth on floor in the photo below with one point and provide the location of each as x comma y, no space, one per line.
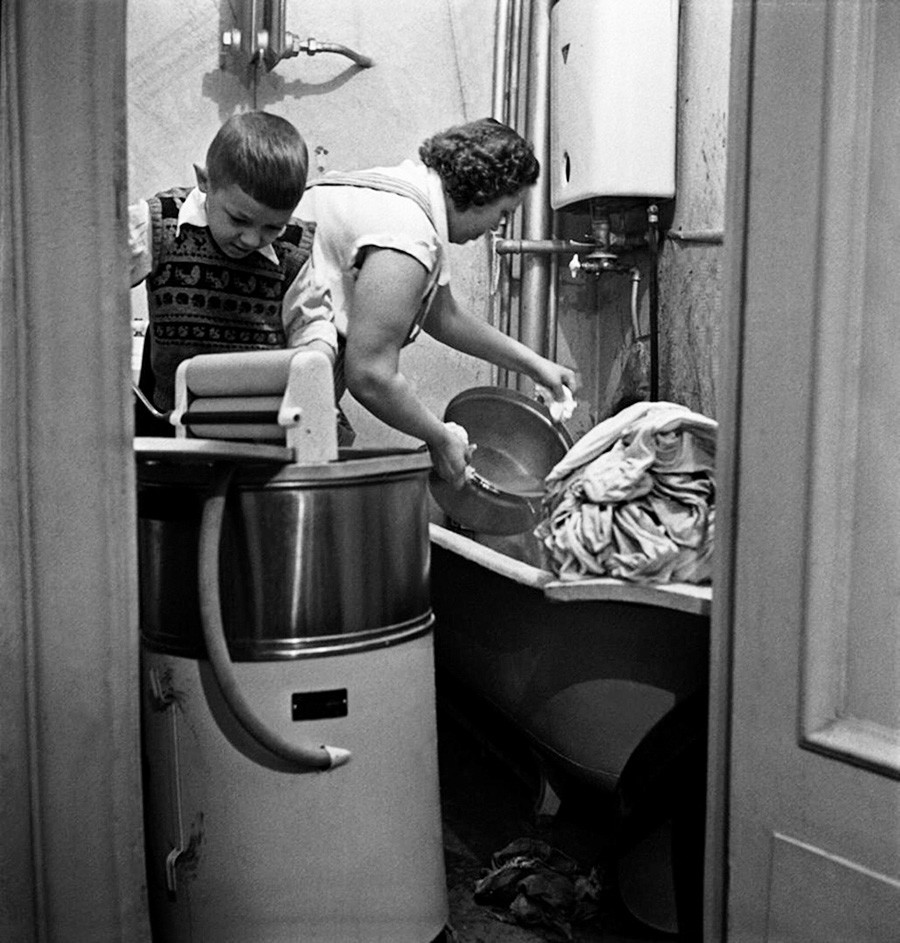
534,884
635,499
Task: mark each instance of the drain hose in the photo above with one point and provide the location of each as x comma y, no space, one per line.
301,756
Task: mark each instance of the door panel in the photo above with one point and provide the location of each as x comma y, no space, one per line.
811,577
850,628
817,896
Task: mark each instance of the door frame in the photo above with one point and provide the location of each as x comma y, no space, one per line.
72,858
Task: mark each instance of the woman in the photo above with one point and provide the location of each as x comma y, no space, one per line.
379,263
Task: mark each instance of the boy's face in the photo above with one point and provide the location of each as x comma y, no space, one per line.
239,224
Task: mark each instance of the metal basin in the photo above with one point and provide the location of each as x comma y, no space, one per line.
313,558
517,443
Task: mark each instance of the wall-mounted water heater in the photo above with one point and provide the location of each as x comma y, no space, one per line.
613,82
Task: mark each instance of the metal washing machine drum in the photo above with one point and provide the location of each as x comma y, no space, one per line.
316,578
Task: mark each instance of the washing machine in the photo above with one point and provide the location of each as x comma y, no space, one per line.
289,735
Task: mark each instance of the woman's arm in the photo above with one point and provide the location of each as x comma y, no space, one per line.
306,314
387,295
449,324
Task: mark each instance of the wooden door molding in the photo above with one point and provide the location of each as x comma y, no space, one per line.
806,602
852,223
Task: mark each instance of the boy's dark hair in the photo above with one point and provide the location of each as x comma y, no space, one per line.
480,162
264,155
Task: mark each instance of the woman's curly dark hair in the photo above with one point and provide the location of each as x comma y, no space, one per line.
480,162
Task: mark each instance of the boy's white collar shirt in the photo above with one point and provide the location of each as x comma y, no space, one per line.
193,212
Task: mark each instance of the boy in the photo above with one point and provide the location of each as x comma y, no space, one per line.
224,262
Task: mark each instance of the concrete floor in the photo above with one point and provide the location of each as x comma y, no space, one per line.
488,797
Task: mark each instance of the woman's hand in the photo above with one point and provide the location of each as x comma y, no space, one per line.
556,378
450,454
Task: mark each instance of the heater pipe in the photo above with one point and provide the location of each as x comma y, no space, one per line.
635,273
507,58
501,61
540,246
653,293
498,296
517,40
536,206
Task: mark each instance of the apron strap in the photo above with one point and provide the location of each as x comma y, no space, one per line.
374,180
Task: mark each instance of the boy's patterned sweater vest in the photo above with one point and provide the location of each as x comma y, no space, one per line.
202,302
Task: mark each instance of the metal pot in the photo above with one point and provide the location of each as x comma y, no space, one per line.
517,443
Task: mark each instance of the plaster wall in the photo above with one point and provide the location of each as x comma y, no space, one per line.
691,268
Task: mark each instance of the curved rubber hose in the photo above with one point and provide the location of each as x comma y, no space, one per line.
301,756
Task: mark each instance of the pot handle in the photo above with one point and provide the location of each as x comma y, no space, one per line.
303,757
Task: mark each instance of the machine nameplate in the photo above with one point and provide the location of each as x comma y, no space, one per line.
316,705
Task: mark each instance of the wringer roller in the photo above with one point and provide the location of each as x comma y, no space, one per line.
278,396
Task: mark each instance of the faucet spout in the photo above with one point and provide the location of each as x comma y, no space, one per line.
312,47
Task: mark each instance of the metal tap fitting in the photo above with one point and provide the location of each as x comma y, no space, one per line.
596,263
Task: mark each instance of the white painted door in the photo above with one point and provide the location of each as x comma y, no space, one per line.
808,590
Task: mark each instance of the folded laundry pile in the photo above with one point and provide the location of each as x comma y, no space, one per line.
533,884
634,498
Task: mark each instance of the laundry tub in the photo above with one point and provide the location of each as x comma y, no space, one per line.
323,602
581,671
584,669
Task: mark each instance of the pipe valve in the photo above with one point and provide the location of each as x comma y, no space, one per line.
595,263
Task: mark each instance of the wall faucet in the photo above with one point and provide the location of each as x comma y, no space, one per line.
294,46
260,38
